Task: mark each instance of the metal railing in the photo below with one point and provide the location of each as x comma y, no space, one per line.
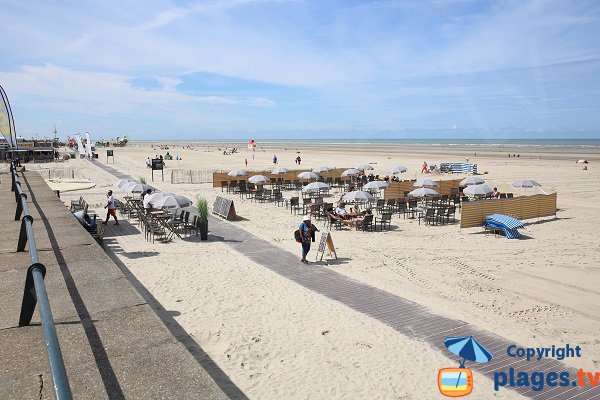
35,291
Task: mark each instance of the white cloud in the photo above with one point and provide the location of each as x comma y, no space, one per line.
103,93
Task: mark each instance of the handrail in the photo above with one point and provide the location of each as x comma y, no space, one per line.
35,291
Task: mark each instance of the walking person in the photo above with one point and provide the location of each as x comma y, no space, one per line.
307,230
246,162
275,159
112,210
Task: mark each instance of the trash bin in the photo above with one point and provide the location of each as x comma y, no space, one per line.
95,155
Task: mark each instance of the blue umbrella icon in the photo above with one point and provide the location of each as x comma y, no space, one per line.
467,348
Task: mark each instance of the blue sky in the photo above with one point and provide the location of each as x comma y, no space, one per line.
303,69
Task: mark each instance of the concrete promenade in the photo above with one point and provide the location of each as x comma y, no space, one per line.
113,343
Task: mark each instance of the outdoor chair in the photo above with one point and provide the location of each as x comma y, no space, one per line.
502,195
334,221
400,206
390,206
450,212
411,209
306,204
366,224
465,199
380,205
295,205
224,185
509,195
440,215
385,219
278,198
428,217
191,226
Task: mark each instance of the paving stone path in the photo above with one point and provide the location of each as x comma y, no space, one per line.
406,317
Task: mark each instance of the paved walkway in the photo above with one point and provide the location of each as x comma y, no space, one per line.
406,317
110,337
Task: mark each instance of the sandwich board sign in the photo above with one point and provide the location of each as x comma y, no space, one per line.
158,165
224,208
326,240
110,153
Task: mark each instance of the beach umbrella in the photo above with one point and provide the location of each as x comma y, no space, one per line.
259,179
376,185
398,169
425,183
350,172
134,187
477,190
423,192
526,183
358,196
280,171
469,349
308,175
472,180
238,172
122,182
364,167
321,169
169,200
314,186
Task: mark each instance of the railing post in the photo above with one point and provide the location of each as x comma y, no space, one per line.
29,296
12,175
23,234
19,205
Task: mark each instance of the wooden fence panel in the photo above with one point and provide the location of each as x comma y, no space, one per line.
522,207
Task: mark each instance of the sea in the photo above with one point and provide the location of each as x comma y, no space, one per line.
590,144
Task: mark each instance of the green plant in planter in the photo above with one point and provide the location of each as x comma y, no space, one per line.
202,205
142,180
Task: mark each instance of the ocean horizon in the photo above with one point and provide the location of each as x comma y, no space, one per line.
558,143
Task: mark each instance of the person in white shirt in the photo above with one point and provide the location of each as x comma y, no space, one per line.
112,210
146,201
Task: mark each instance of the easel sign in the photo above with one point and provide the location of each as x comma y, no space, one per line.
158,165
326,240
224,208
109,153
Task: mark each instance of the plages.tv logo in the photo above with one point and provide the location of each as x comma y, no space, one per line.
458,382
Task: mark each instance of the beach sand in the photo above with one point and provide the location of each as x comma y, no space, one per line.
276,339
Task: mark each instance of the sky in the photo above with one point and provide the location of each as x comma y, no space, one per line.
303,69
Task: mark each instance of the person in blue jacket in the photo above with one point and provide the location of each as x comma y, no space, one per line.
307,231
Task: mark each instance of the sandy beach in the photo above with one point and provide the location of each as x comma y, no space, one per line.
277,339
